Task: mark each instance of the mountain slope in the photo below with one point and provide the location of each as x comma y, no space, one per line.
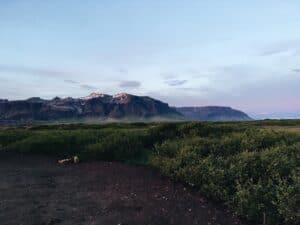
96,105
212,113
104,107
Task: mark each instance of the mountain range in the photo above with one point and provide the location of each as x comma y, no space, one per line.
213,113
100,106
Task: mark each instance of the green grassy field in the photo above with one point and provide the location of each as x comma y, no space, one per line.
253,167
293,129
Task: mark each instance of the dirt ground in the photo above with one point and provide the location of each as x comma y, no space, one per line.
35,190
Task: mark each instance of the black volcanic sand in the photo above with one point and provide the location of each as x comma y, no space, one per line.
35,190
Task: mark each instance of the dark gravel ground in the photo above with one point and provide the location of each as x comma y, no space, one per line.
35,190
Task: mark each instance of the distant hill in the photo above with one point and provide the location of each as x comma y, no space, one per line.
213,113
100,106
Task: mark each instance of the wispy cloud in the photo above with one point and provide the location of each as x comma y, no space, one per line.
129,84
71,81
123,71
175,82
171,79
81,85
198,89
88,87
296,70
270,52
291,46
30,70
168,76
44,72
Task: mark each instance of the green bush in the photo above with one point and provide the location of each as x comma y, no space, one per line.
116,146
251,171
61,143
249,167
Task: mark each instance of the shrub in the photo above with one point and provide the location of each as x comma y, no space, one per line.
116,146
252,169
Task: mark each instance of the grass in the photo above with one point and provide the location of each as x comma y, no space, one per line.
253,167
293,129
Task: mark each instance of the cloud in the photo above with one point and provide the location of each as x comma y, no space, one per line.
83,86
87,87
129,84
235,75
198,89
167,76
71,81
44,72
30,70
123,71
175,82
296,70
273,52
290,46
171,79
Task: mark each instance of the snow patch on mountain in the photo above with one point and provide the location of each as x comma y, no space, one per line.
94,95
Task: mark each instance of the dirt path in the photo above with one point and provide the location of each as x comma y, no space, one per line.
34,190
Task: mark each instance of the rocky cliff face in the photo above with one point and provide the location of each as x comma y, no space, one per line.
95,105
103,107
213,113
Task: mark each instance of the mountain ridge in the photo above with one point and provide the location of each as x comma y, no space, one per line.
104,107
213,113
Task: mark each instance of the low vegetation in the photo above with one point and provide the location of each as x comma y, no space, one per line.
253,167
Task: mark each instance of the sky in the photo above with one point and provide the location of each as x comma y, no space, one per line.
243,54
